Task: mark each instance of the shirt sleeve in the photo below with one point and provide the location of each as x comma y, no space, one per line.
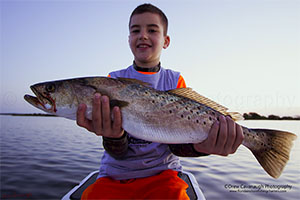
181,82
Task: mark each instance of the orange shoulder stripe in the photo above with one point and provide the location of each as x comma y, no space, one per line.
181,83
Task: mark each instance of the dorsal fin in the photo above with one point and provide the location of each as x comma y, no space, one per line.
189,93
134,81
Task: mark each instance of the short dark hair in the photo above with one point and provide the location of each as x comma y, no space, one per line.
147,7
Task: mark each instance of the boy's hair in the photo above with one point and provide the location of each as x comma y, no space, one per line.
147,7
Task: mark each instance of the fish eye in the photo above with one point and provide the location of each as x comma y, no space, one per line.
50,88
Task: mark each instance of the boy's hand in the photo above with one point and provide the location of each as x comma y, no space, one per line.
224,138
101,123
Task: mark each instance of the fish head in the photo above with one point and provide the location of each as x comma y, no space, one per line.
62,97
51,97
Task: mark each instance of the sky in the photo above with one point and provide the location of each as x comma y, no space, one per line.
243,54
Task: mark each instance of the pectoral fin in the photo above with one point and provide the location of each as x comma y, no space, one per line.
118,103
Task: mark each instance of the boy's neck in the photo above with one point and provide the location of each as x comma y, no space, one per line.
146,69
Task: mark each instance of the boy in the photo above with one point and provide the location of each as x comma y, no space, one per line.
136,169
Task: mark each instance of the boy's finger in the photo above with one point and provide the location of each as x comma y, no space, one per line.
81,119
96,114
231,135
80,115
208,145
222,136
117,123
213,134
106,118
239,138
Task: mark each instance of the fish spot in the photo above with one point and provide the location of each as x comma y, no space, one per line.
197,121
191,111
182,116
210,118
204,122
170,111
153,101
189,117
186,108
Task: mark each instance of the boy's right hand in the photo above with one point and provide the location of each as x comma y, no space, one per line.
101,123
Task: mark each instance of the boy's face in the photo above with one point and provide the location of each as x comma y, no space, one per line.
147,39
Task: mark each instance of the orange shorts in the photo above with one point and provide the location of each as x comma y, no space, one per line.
166,185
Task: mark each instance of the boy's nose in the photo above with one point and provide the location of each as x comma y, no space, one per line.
143,35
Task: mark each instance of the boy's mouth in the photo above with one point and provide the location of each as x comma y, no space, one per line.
143,46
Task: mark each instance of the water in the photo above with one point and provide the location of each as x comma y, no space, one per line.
44,157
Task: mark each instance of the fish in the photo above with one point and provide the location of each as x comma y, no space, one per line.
173,117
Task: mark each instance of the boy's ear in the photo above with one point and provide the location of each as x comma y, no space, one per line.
167,42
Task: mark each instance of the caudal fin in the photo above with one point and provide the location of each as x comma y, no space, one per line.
271,148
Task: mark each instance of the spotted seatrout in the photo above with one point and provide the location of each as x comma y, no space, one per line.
176,116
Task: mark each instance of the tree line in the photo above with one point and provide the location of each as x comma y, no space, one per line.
256,116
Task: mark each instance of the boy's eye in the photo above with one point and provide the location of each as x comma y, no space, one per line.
152,31
135,31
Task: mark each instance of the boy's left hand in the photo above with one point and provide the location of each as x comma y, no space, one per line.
224,138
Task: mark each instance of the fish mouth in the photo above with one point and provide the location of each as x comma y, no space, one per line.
43,102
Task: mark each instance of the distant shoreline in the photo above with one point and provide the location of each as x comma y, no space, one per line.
29,114
247,116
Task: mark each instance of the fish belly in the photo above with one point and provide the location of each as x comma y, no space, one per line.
158,131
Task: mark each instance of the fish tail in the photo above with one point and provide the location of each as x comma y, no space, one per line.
270,147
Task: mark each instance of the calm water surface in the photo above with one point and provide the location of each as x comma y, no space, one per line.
44,157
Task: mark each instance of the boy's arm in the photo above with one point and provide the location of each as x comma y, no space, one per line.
224,137
116,147
114,138
185,150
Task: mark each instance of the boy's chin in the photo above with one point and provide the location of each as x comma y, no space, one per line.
143,61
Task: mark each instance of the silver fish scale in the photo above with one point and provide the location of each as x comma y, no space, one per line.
166,113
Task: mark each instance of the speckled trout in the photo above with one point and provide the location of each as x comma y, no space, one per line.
176,116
